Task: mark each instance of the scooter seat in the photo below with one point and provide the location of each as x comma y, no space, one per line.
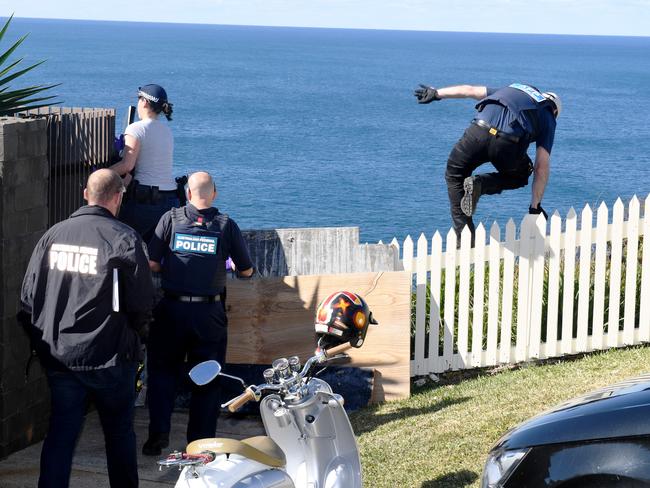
261,448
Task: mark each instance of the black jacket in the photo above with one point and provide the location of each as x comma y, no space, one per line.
68,291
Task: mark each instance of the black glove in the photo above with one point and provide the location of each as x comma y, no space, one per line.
537,211
426,94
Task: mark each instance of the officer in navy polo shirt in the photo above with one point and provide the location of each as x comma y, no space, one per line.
508,120
190,247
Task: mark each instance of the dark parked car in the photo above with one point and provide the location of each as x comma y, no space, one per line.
601,439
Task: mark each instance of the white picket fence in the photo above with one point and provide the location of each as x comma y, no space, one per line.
507,301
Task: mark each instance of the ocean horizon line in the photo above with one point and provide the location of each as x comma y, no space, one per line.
329,28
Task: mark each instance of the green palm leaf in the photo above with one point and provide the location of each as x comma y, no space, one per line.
9,51
15,75
4,29
8,68
15,100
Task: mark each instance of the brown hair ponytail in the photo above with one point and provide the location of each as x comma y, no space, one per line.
167,109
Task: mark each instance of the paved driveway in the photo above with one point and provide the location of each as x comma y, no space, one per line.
20,470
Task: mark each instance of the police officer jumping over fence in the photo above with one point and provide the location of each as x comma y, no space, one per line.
86,294
190,247
507,121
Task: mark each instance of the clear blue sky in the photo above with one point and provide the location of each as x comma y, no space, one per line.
600,17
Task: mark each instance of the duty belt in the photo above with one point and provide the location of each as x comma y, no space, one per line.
193,298
493,131
151,195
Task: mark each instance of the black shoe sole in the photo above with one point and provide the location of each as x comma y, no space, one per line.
467,204
152,452
155,450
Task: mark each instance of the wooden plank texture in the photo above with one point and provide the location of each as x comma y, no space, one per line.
450,300
479,297
436,283
554,258
584,287
536,281
493,299
463,299
569,272
631,271
613,339
600,268
644,313
526,244
418,365
270,318
509,251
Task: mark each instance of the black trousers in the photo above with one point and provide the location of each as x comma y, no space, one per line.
143,217
475,148
113,394
198,332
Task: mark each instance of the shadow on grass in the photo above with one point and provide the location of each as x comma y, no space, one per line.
458,479
369,420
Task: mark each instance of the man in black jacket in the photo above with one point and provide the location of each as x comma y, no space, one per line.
87,293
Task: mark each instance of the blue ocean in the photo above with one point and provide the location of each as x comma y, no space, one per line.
319,127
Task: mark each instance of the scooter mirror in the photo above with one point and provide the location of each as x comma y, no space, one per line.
203,373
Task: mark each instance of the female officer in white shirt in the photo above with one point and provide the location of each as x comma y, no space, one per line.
147,159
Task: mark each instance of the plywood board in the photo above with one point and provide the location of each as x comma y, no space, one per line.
270,318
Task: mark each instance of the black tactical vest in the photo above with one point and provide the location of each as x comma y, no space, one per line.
196,264
523,101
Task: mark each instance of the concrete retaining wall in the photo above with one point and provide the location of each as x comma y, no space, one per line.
326,250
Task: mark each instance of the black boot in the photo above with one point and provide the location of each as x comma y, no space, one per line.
155,444
472,187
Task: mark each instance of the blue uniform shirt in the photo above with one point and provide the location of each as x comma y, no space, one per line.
504,120
186,272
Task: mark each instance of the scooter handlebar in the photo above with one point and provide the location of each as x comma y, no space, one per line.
253,393
238,402
330,353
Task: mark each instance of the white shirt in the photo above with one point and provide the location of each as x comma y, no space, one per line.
155,158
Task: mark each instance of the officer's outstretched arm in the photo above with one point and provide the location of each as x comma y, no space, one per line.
463,91
540,176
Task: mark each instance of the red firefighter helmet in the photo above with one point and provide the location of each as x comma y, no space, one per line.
342,317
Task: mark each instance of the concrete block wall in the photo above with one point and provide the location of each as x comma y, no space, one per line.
24,403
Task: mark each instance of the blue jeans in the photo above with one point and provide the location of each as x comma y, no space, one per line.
113,392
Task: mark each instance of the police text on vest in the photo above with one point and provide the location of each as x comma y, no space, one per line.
194,243
74,259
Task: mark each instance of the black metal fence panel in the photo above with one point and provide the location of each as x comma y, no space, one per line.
80,140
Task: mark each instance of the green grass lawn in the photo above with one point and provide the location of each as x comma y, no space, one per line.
441,435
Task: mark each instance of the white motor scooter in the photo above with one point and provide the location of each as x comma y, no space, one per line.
310,442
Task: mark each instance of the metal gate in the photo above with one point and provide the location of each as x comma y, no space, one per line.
79,140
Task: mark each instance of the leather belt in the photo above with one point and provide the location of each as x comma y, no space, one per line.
155,188
494,131
149,195
193,298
